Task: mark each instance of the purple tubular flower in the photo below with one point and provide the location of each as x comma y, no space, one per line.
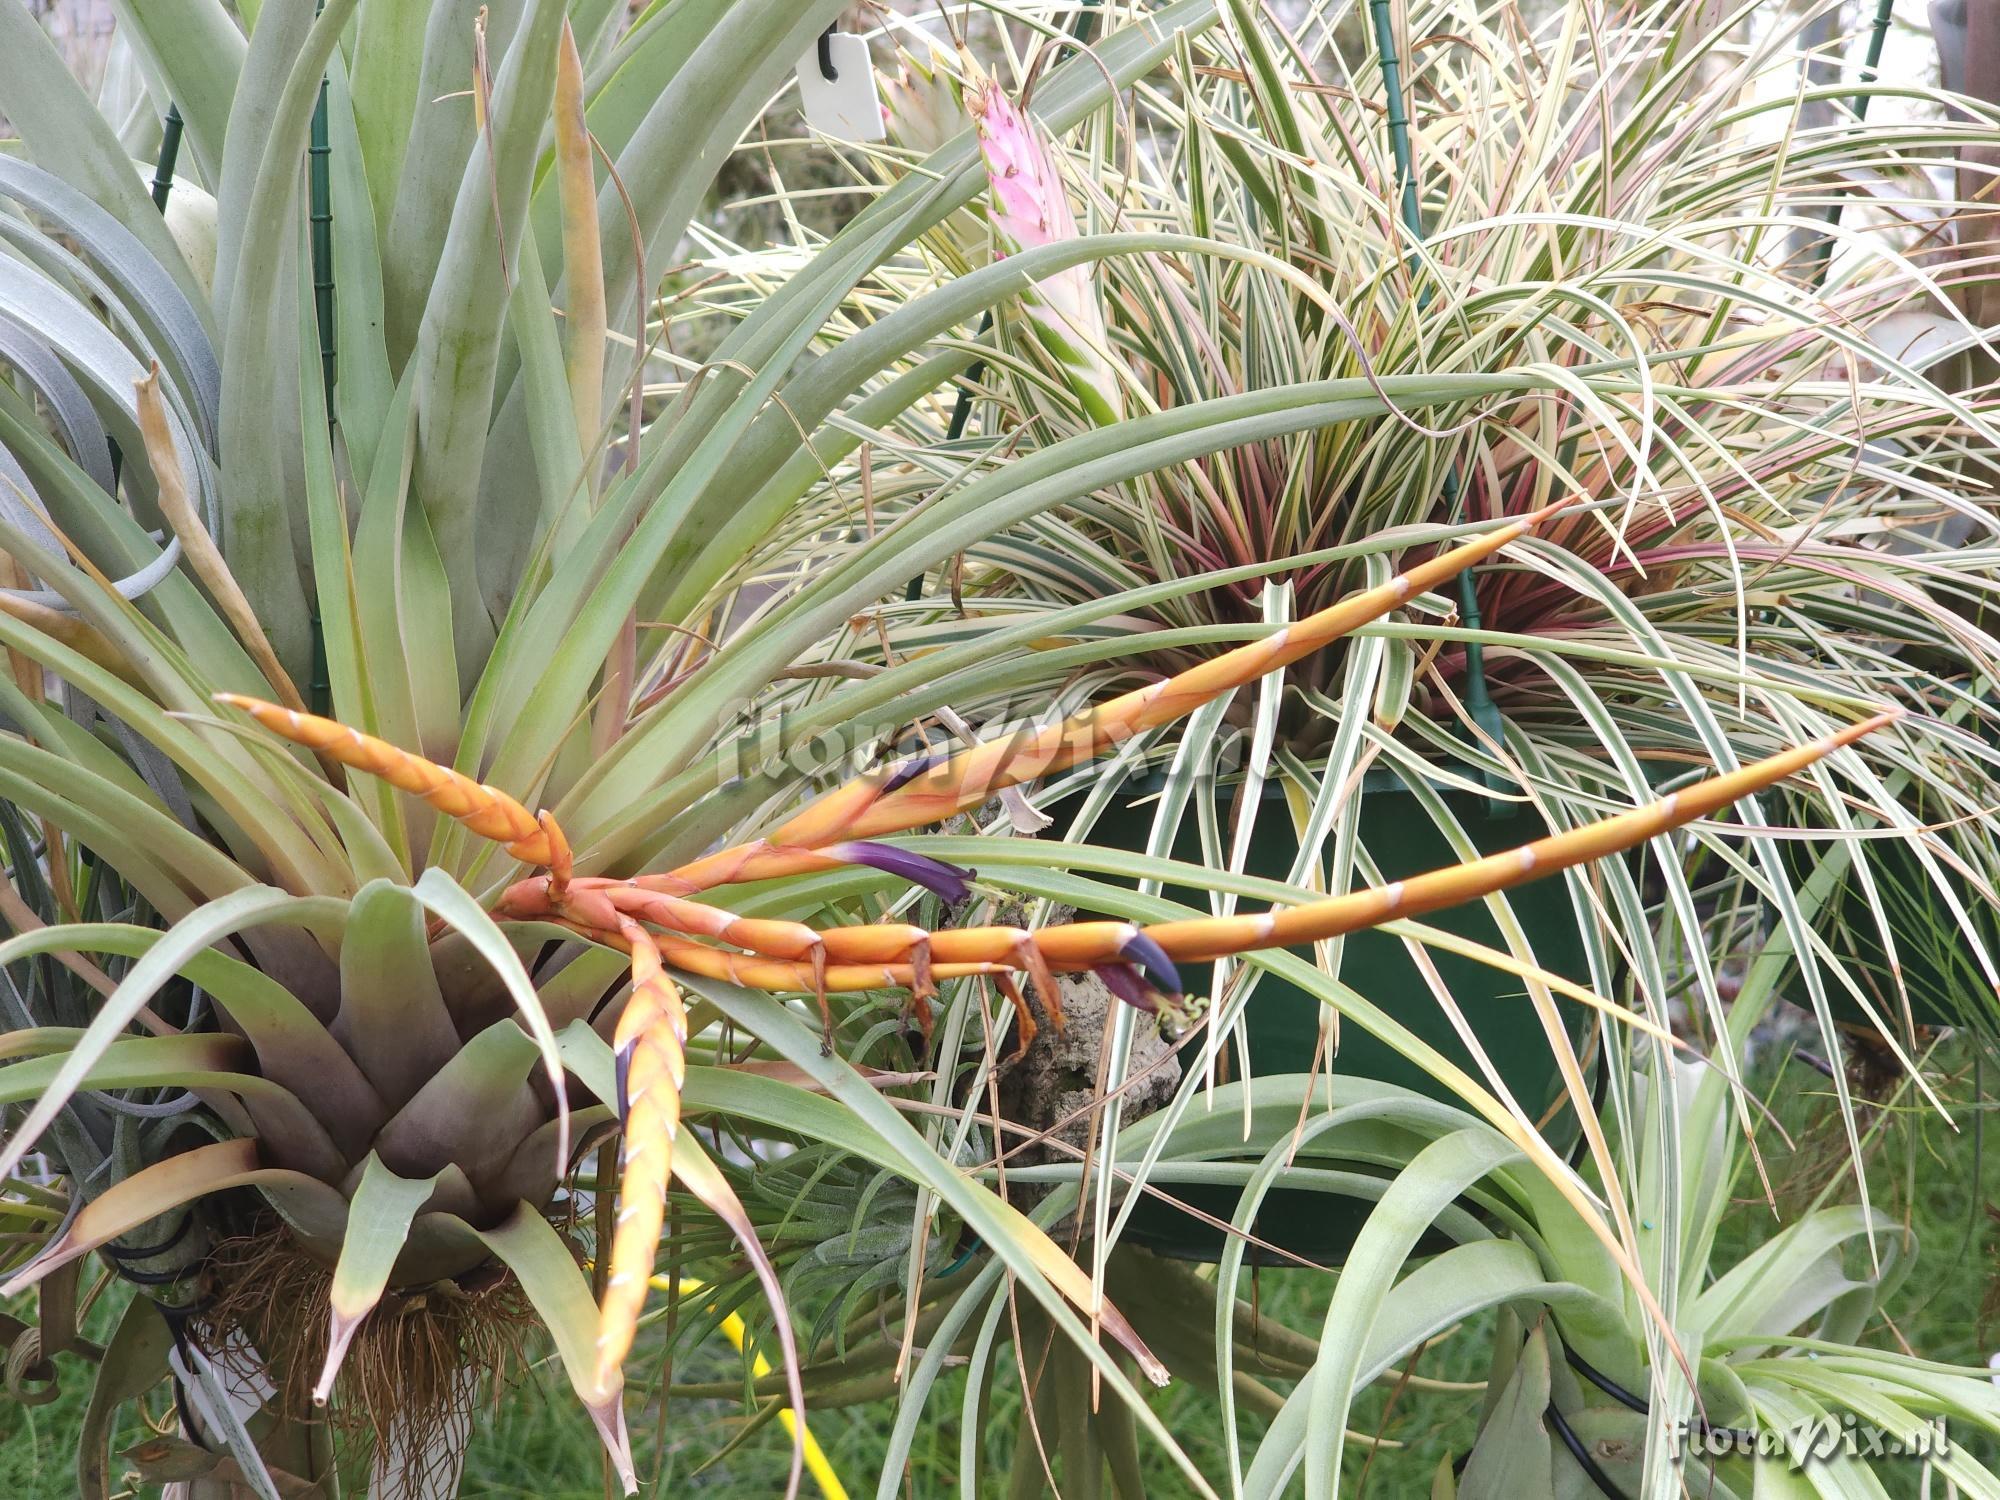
908,771
1129,985
951,884
1152,961
622,1061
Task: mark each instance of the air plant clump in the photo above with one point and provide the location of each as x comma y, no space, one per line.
1745,409
514,899
655,920
1794,461
375,1057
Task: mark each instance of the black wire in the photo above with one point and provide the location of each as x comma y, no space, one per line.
962,408
1603,1381
151,1278
147,1252
185,1310
1570,1440
1639,1403
1581,1454
185,1406
176,1320
826,68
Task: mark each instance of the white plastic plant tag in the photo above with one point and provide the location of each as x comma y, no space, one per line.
226,1392
847,105
236,1372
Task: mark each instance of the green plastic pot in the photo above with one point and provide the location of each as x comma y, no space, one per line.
1283,1021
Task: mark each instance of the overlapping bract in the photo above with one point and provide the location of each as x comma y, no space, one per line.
1027,207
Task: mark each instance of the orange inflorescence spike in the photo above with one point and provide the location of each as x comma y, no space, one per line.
1075,946
790,957
789,977
485,810
651,1051
1438,889
903,798
889,955
773,939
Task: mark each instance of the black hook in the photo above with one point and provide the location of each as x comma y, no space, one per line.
826,68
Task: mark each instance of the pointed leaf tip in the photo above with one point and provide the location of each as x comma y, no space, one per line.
1535,518
339,1338
379,1215
608,1416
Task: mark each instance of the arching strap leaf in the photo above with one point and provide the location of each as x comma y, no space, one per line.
701,1177
206,1060
392,1014
291,1135
166,1185
378,1225
447,899
556,1285
292,1047
476,1111
133,1363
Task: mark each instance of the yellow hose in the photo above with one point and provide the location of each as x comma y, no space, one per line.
732,1325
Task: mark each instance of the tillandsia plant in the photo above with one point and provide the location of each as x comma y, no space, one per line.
1785,1370
501,552
1781,1370
1610,245
654,919
516,599
1796,518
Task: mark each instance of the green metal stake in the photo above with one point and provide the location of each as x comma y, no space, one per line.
319,182
163,184
170,152
319,688
1878,33
1084,25
1479,704
1399,123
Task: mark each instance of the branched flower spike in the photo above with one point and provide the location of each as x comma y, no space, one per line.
653,917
